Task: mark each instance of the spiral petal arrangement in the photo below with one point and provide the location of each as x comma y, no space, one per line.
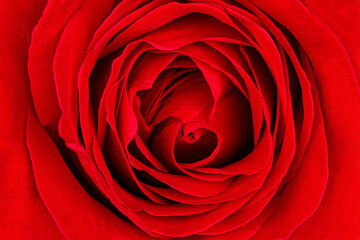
198,119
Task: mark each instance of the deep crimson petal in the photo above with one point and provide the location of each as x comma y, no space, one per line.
340,18
23,212
239,219
143,74
115,151
163,146
70,53
214,68
245,232
241,186
188,225
339,102
301,197
194,96
263,79
159,17
90,219
148,156
128,57
193,28
251,163
304,110
128,139
44,41
245,83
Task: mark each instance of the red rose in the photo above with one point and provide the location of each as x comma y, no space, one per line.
161,119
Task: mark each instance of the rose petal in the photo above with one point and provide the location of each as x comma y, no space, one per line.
23,212
90,218
339,102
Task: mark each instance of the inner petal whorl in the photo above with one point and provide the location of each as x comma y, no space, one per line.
194,143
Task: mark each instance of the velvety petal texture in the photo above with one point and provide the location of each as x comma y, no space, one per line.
23,212
195,119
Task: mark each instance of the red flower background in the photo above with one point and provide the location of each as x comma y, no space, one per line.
180,119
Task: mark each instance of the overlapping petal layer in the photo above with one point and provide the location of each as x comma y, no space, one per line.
196,119
192,118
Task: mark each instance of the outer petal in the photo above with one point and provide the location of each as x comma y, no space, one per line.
23,212
302,195
341,18
77,214
339,211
